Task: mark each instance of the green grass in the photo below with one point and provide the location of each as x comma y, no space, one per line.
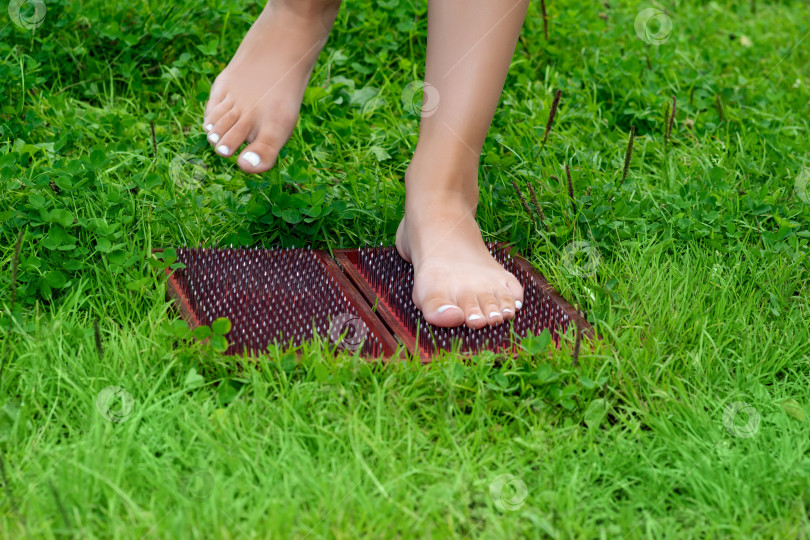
700,288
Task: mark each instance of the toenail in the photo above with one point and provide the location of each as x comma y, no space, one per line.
213,137
473,317
209,127
494,314
507,310
254,159
223,150
518,304
446,307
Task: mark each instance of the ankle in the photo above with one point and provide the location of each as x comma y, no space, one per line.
442,180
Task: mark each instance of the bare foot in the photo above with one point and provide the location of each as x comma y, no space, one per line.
257,97
456,279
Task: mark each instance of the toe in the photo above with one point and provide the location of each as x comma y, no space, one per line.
439,310
234,137
215,112
490,308
215,97
221,127
516,289
506,302
473,316
260,156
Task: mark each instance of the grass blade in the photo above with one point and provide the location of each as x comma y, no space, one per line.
537,208
571,189
551,115
523,200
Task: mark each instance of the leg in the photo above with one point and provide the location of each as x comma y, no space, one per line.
257,97
470,45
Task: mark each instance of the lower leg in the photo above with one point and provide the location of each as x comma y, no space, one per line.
257,97
470,46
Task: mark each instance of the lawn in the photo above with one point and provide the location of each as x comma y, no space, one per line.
689,418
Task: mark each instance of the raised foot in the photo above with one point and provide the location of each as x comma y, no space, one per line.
257,97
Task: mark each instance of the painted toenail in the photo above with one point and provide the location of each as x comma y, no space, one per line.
507,310
493,314
518,304
473,317
446,307
254,159
213,137
209,127
223,150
